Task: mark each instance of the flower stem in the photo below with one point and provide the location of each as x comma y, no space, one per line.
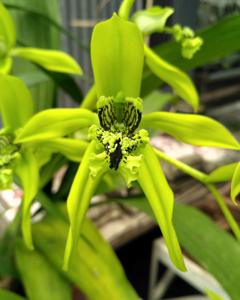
125,9
202,177
226,212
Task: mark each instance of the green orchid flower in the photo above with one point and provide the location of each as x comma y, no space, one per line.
118,142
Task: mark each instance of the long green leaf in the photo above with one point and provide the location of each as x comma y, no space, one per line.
94,269
51,60
202,239
40,279
67,83
39,11
7,30
160,196
33,30
222,174
117,57
73,149
54,123
62,80
27,171
192,129
78,200
16,105
235,185
178,80
7,295
220,40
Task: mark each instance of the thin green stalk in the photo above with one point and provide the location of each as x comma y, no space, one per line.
125,9
226,212
202,177
90,99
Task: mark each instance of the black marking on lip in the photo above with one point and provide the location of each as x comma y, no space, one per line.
116,156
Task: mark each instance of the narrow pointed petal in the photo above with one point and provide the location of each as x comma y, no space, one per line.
160,196
82,189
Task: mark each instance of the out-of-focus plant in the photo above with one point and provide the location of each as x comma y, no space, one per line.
49,59
117,143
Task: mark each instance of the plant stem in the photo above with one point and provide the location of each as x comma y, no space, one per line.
125,9
226,212
202,177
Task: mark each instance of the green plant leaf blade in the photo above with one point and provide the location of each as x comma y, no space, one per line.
117,57
153,19
16,104
7,31
51,60
192,226
201,238
54,123
177,79
192,129
94,269
82,190
27,171
222,174
40,279
160,197
7,295
235,184
73,149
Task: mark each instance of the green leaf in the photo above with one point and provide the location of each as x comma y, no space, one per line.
40,279
117,57
202,238
5,65
192,129
153,19
27,171
156,101
222,174
7,295
7,31
47,172
73,149
54,123
218,43
16,105
78,200
235,184
94,269
67,83
178,80
35,9
161,200
51,60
